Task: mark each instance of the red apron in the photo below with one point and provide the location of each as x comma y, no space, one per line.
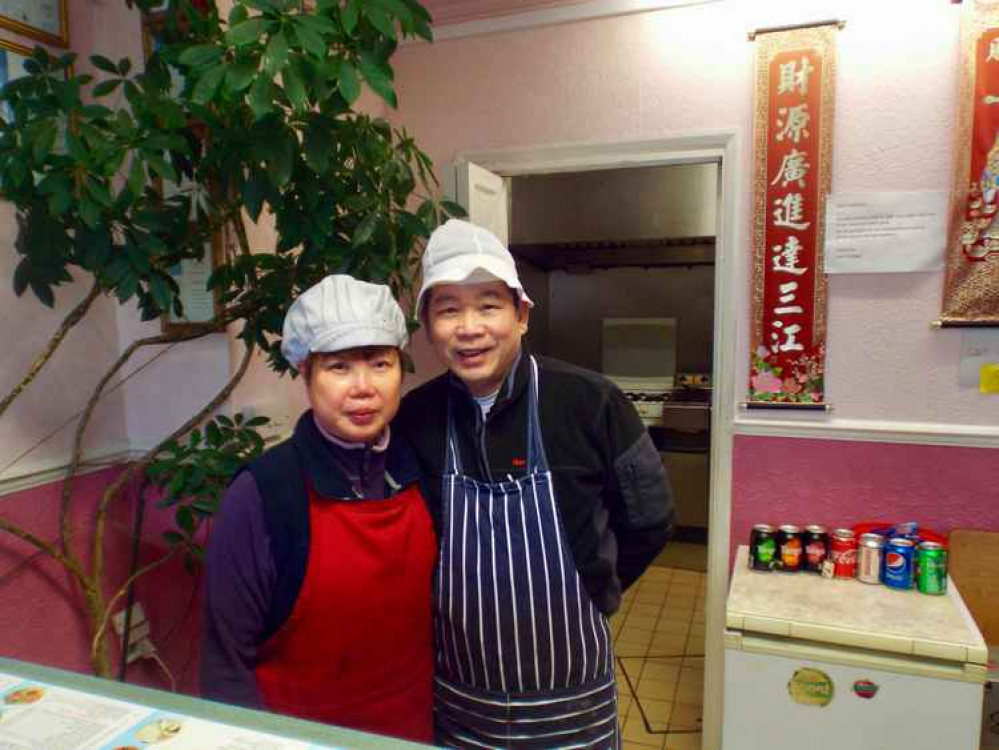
357,650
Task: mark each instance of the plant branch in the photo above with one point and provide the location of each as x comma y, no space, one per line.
188,334
48,548
103,626
74,317
97,568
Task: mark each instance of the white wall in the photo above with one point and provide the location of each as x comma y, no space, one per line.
690,70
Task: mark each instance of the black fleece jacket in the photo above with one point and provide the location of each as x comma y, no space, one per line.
610,485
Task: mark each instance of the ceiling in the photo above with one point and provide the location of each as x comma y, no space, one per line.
460,11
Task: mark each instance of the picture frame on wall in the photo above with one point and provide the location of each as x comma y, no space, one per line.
12,58
201,304
43,20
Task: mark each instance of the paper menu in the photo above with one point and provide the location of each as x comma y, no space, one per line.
35,716
173,731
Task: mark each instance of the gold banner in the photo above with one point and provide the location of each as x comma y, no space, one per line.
971,282
792,146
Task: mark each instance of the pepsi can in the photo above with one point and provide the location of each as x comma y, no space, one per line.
900,563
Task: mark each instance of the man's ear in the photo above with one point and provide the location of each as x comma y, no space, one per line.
523,314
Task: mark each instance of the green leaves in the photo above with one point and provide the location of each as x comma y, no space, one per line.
379,76
350,87
207,85
249,31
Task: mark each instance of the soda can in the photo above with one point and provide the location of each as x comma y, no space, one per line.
870,558
900,563
843,551
931,568
763,547
816,548
790,548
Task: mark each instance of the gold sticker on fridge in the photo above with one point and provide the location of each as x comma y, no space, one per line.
810,687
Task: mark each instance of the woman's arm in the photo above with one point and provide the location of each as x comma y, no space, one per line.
239,587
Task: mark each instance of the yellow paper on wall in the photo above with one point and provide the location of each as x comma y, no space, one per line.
989,382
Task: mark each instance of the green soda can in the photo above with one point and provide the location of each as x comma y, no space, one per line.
931,568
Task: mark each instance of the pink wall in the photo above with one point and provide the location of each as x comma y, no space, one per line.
839,483
42,620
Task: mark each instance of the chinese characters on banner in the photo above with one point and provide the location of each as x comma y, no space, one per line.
971,284
793,149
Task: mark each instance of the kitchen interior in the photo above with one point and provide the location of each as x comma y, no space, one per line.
620,263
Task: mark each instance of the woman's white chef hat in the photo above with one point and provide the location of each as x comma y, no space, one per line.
340,313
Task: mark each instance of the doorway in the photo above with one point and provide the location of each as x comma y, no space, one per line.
684,246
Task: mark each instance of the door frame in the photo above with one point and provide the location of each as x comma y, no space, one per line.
721,147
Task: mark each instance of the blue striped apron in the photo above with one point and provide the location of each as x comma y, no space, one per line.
524,657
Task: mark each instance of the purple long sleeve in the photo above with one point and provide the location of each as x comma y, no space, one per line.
240,581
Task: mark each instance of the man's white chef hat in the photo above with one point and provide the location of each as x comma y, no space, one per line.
460,252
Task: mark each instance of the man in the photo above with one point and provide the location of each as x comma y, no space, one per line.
550,500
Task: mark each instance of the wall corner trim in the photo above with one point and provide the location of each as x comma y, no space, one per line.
54,471
872,431
580,11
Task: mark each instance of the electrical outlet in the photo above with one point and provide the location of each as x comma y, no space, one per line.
139,644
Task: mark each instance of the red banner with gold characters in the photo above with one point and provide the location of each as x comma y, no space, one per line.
971,282
793,152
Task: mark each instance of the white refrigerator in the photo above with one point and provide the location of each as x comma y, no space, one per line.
821,664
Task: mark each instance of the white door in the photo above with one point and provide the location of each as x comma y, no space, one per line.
484,195
910,711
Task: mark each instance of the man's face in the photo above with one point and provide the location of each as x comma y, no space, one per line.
476,331
355,393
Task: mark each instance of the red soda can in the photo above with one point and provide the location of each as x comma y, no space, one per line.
843,551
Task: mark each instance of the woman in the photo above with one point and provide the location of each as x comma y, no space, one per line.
318,601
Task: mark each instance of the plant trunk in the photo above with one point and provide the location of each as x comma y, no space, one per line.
100,654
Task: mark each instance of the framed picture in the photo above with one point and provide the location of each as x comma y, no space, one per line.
201,304
44,20
12,57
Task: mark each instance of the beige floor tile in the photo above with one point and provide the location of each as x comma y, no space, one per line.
623,705
687,588
693,675
673,627
693,661
634,732
655,573
689,693
685,603
659,690
655,711
672,612
683,741
633,637
638,609
662,671
638,622
685,716
695,644
667,644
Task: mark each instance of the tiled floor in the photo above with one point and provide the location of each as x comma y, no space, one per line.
659,639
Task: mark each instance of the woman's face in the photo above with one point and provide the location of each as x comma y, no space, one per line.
355,393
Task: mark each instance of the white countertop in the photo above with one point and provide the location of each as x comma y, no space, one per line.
851,613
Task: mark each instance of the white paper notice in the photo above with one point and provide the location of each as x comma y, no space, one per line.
978,348
886,232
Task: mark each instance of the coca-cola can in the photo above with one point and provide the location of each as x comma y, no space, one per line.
816,548
870,558
843,551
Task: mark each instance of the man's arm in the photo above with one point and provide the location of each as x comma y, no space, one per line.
639,495
239,585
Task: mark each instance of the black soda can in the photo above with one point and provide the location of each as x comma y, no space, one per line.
790,549
763,547
816,548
